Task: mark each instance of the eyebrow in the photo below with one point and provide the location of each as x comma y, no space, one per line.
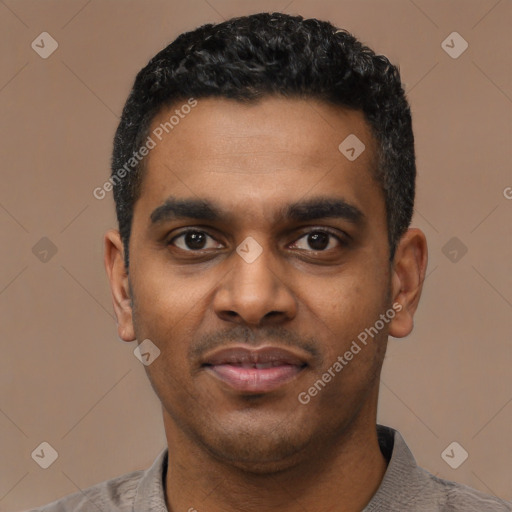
301,211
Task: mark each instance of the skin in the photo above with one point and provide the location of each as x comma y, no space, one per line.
230,451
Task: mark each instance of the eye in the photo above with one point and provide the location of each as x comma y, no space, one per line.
318,240
194,240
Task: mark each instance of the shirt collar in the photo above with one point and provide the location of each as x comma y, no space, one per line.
402,474
150,494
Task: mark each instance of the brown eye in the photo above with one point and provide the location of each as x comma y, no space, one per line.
193,240
318,241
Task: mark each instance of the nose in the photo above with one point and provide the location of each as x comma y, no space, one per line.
253,293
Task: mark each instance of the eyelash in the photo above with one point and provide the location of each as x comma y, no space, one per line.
343,242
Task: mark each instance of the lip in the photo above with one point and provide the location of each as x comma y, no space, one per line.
253,371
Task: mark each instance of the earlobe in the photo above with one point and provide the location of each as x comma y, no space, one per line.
408,275
119,284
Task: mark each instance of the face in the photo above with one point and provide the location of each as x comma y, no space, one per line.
258,255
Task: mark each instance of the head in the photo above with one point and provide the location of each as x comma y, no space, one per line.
252,57
243,123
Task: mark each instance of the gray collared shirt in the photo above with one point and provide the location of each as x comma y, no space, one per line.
404,488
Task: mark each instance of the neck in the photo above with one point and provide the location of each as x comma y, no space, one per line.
343,477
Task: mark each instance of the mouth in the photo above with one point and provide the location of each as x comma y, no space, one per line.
255,370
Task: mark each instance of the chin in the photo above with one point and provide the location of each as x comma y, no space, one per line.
260,447
257,461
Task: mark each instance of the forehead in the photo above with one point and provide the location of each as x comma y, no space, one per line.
260,155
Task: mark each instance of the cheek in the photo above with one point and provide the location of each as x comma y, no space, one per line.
342,312
346,303
163,308
166,311
166,296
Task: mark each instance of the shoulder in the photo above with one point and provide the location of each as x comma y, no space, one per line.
136,491
406,486
460,497
116,495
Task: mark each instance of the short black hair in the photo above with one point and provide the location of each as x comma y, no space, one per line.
250,57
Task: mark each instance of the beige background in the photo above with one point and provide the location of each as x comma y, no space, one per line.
65,377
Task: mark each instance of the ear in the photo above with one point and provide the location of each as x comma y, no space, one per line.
408,274
119,284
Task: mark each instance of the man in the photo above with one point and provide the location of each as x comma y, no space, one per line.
264,179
